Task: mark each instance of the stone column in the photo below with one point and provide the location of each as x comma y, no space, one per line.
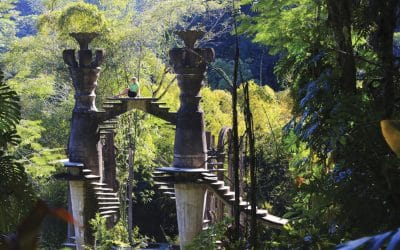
84,137
83,145
190,150
77,193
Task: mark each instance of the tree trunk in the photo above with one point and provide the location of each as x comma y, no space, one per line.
386,22
130,190
340,15
235,134
253,177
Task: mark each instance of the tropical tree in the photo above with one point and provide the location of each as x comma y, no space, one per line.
16,192
7,24
341,75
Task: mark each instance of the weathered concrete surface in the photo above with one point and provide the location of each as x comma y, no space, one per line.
77,193
189,210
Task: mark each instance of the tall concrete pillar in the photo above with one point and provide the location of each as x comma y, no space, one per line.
84,149
84,137
190,150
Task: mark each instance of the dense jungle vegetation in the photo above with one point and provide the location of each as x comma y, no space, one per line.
321,74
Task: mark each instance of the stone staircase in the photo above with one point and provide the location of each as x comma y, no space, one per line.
165,188
107,198
218,187
222,191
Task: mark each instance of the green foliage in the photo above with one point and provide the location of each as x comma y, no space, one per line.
208,238
40,164
220,75
38,160
117,236
9,114
337,172
396,41
16,194
45,92
81,17
217,109
7,24
54,192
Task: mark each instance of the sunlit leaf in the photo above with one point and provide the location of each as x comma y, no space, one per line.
391,133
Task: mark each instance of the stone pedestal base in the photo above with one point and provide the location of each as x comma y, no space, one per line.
189,210
77,201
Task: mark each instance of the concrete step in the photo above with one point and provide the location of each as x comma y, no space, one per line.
215,163
244,203
92,177
110,203
208,175
101,184
224,189
158,173
275,219
160,183
210,179
115,199
69,245
109,208
103,189
230,195
105,132
169,193
106,194
86,171
166,188
109,123
262,212
106,127
108,212
218,170
107,216
217,183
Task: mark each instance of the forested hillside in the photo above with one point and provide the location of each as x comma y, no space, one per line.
315,78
